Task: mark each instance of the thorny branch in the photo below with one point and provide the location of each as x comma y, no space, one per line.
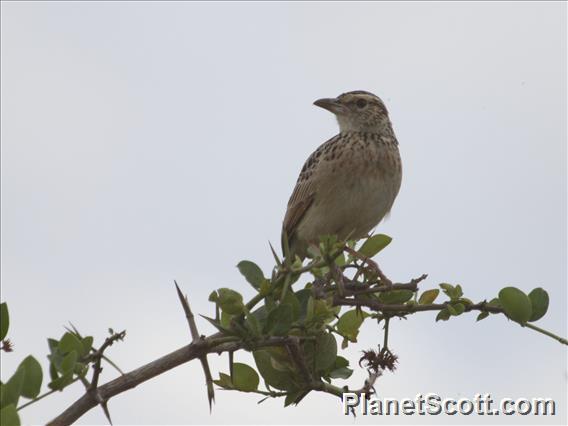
219,343
344,292
216,343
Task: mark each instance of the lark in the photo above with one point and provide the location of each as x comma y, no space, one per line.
349,184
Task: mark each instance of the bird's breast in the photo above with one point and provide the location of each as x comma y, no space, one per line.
356,188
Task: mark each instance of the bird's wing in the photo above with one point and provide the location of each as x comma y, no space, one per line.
306,187
300,201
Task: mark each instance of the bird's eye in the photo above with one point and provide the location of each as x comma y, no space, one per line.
361,103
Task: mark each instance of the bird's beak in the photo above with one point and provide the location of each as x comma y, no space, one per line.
331,104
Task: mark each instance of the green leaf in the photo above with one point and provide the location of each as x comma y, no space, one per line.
292,300
374,244
253,325
443,315
56,359
324,311
9,416
69,343
277,379
428,297
494,302
230,301
326,351
452,292
261,314
53,345
81,369
458,309
12,389
482,315
69,361
341,373
4,320
310,309
458,291
33,377
87,343
539,303
340,362
349,323
302,296
516,304
327,242
280,359
340,369
279,320
395,297
245,378
61,382
226,319
294,397
53,374
252,273
340,260
224,381
265,287
214,297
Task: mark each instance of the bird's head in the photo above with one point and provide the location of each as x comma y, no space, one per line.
358,111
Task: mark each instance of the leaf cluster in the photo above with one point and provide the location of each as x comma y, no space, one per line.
340,275
69,360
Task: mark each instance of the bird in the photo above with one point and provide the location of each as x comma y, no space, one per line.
350,182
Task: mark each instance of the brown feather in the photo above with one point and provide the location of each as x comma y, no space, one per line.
304,193
299,203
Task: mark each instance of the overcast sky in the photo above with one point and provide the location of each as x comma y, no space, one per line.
145,142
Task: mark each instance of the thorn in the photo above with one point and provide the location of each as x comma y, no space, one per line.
105,410
276,258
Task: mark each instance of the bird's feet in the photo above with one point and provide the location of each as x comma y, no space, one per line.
372,265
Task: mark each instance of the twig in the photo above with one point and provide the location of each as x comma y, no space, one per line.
353,288
386,340
92,388
337,391
73,330
375,305
97,355
36,399
338,276
547,333
368,386
112,364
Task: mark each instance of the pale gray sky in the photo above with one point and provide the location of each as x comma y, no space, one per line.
145,142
